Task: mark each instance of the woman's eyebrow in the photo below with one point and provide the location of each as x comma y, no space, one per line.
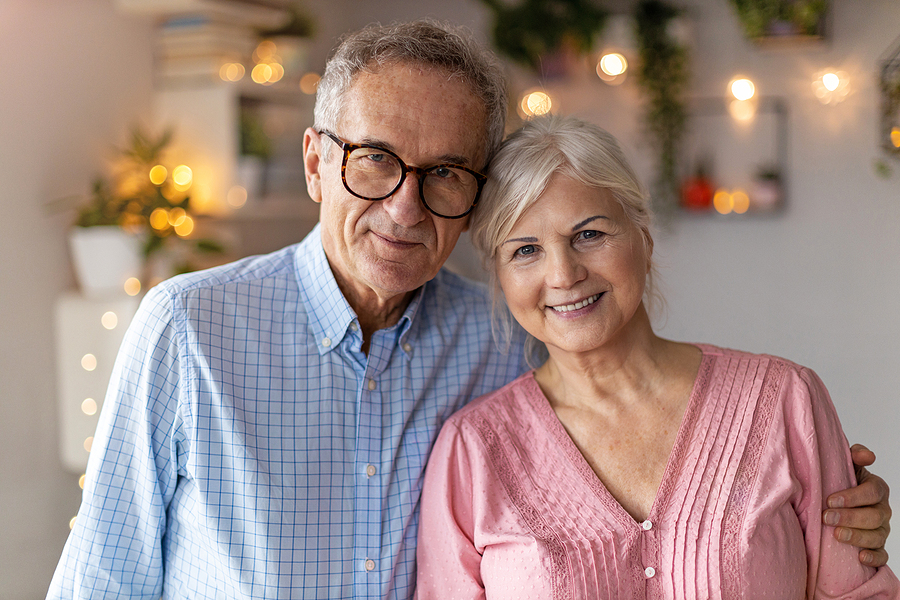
526,240
588,220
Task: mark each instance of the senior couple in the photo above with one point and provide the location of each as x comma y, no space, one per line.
268,422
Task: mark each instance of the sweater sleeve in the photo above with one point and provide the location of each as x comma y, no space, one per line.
449,564
820,460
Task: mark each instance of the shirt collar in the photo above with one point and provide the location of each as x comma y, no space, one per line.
331,317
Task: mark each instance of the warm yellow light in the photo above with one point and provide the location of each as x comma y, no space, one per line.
264,51
309,83
232,72
895,137
613,64
262,73
89,406
88,442
81,480
237,196
722,202
831,87
740,201
742,89
72,523
831,81
132,286
159,219
277,72
182,176
177,216
185,227
535,104
88,362
109,320
158,175
742,110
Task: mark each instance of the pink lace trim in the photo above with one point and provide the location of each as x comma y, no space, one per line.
745,480
560,571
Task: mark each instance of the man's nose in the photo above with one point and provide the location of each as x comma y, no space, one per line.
405,205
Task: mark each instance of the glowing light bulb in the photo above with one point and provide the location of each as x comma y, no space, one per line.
722,202
831,81
182,176
88,442
237,196
177,216
895,137
159,219
185,227
232,72
88,362
89,406
81,480
536,103
132,286
831,87
109,320
158,175
264,51
740,201
72,523
742,89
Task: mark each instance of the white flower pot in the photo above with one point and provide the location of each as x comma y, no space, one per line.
104,258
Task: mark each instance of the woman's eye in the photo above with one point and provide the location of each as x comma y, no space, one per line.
525,250
589,234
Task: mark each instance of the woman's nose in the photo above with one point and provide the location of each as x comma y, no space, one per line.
564,269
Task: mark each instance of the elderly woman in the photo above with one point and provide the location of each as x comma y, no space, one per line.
626,465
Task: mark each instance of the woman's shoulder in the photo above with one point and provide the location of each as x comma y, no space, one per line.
496,406
714,353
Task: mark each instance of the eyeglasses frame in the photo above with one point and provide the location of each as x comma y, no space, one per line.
420,173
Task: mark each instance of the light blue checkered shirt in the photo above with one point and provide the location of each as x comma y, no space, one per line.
247,448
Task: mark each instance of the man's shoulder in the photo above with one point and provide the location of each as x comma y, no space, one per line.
249,271
449,284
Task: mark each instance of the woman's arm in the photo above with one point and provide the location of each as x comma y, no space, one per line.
820,460
449,564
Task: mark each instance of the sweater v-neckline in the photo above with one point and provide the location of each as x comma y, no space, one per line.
541,405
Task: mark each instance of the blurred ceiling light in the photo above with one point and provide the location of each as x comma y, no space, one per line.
158,175
535,103
612,67
309,83
830,86
232,71
742,88
895,137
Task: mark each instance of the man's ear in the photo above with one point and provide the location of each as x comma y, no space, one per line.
312,160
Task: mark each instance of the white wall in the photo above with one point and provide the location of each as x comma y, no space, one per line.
816,284
73,76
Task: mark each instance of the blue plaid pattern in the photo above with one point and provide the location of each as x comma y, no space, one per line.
247,448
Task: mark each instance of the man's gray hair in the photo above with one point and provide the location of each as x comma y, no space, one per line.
427,43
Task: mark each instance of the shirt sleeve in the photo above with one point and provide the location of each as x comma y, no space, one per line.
115,547
449,564
820,460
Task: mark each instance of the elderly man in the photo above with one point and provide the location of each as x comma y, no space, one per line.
268,421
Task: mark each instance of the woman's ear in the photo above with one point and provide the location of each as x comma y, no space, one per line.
312,160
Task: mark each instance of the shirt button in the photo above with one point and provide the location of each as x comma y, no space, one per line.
407,347
649,572
354,327
372,385
371,470
326,342
647,525
370,564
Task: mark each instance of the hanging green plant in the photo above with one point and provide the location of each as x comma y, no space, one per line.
662,75
774,18
529,32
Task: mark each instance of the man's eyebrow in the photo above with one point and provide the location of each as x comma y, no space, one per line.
455,159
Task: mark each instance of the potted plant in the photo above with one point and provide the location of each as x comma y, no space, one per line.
782,18
541,34
662,75
141,211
